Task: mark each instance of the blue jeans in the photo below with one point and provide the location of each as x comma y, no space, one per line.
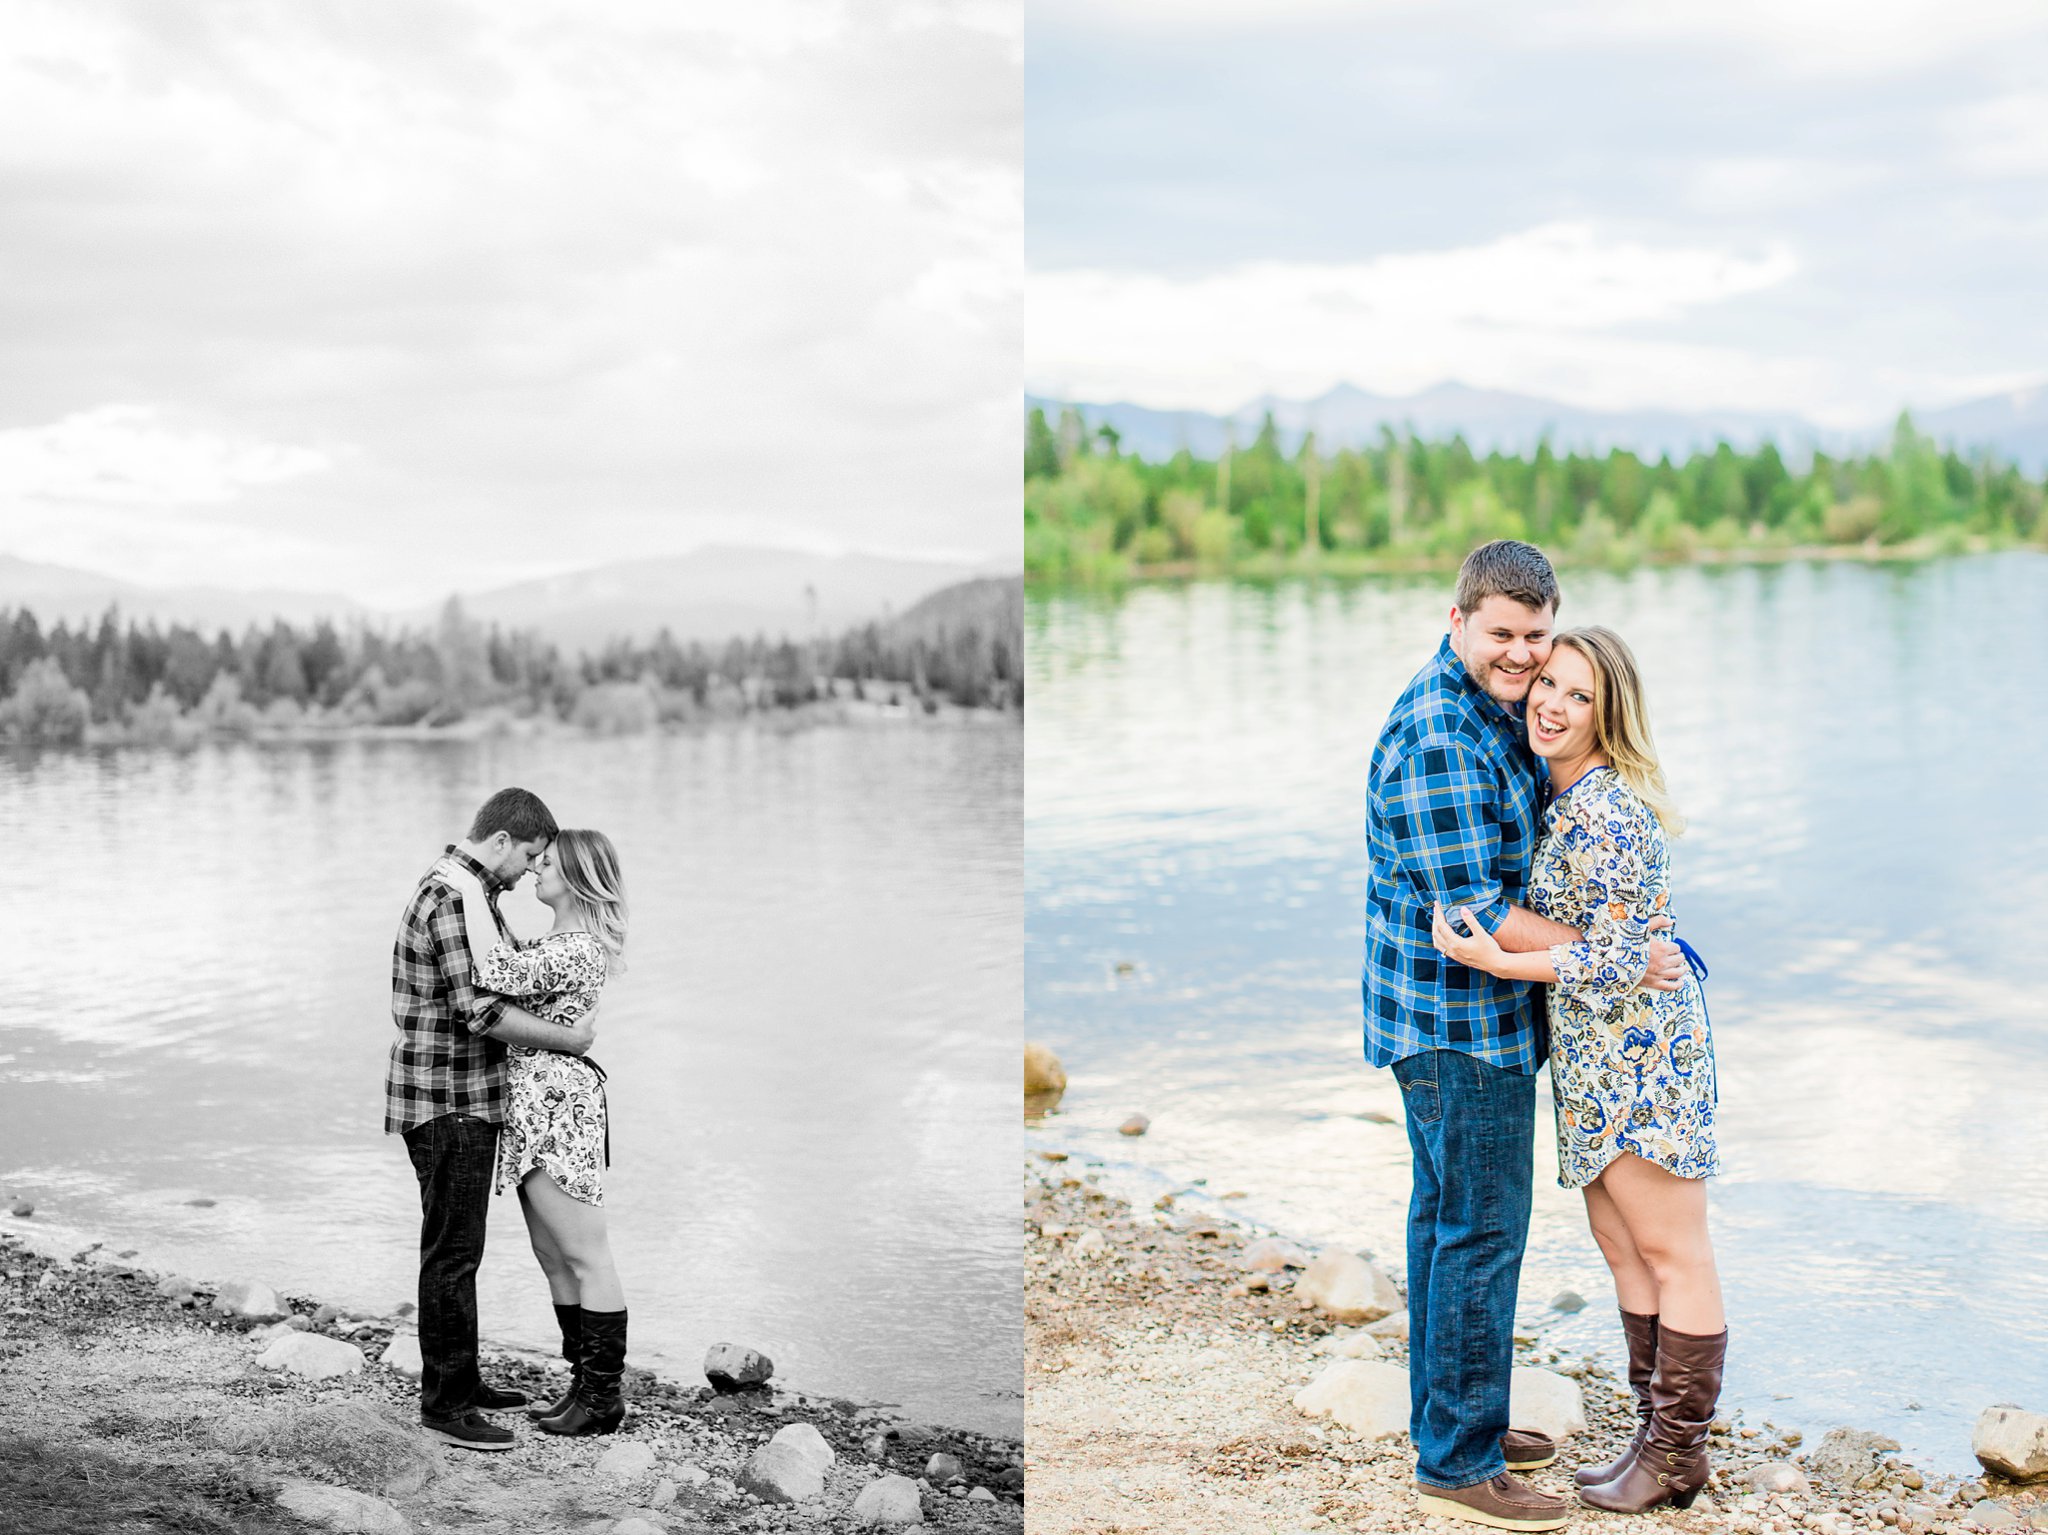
453,1157
1472,1129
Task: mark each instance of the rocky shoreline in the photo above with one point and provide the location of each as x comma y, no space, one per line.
136,1400
1185,1375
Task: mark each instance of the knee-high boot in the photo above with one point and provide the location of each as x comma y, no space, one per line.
1641,1333
571,1320
1671,1466
599,1405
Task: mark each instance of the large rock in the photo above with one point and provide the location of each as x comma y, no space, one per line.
1546,1401
174,1287
626,1462
341,1508
1779,1476
312,1355
1271,1255
1847,1455
1367,1396
249,1298
2012,1443
1395,1326
807,1442
889,1501
1347,1288
1350,1345
1043,1074
731,1368
402,1354
782,1473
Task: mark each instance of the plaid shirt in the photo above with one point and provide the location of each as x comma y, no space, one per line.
1451,817
441,1062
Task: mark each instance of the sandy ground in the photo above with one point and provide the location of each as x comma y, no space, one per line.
1158,1399
109,1391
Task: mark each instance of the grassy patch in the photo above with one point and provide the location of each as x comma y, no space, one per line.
48,1489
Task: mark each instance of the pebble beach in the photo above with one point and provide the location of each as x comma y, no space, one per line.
145,1401
1166,1365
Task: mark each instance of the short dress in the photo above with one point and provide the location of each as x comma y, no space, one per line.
554,1103
1630,1070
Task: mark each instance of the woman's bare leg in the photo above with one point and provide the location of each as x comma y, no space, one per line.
576,1231
1665,1216
1635,1283
562,1287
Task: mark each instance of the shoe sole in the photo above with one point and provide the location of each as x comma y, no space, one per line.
1450,1508
1533,1465
461,1443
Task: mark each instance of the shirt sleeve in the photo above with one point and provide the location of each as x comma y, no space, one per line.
530,972
1444,817
473,1009
1608,963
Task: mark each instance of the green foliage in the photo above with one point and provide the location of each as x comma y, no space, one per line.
1093,512
45,709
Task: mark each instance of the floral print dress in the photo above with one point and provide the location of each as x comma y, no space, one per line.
1630,1070
554,1103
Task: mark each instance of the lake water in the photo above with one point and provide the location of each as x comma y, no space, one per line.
812,1052
1860,749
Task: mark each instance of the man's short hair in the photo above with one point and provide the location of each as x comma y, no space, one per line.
517,812
1507,567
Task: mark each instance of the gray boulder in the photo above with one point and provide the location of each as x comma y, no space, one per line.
2012,1443
248,1298
1346,1288
782,1473
626,1462
1367,1396
731,1368
1779,1476
402,1354
807,1442
341,1508
312,1355
1846,1456
890,1501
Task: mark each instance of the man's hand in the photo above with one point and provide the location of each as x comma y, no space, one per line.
1666,969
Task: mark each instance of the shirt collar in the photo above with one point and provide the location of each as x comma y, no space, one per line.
493,887
1455,675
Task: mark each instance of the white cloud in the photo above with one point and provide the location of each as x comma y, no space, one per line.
127,455
1544,310
2001,138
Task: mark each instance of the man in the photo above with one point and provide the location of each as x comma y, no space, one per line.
445,1093
1452,818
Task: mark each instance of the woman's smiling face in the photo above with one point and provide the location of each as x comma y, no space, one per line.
1560,708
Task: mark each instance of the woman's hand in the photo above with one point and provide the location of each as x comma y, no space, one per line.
1479,951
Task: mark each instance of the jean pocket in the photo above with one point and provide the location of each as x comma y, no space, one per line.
1421,1100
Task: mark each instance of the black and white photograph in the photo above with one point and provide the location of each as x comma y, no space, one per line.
511,751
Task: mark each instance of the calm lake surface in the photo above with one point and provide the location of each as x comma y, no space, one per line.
1860,750
812,1052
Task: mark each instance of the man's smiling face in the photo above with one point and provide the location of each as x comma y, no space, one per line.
1502,643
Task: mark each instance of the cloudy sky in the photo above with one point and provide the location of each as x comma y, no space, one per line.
394,299
1828,206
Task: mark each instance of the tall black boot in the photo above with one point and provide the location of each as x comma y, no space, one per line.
599,1405
571,1319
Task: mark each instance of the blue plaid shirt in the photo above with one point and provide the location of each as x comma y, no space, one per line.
1451,816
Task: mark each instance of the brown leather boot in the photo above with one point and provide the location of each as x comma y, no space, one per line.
1641,1332
570,1319
1671,1466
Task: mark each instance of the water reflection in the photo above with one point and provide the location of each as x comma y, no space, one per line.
812,1048
1863,872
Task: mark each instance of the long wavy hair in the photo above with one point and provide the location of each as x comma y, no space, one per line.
590,868
1621,719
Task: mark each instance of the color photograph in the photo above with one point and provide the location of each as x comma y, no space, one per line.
511,737
1535,547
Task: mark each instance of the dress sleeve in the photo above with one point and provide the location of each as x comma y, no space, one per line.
1444,820
531,973
1608,861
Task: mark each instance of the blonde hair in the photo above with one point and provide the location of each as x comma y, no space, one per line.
1621,719
590,868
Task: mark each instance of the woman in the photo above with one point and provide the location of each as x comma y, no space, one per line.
1632,1071
554,1142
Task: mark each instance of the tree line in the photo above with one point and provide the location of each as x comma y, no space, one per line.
1094,512
149,683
